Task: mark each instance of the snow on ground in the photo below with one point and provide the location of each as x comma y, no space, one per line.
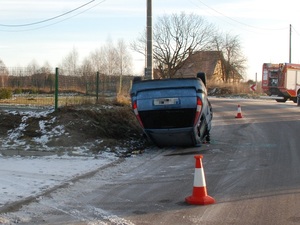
23,177
65,200
30,176
13,139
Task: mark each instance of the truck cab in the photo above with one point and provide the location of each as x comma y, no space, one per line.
281,81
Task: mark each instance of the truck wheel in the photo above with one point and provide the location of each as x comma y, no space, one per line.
281,100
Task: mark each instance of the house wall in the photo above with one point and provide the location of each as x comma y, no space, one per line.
217,75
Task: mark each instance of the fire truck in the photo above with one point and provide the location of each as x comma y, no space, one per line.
281,81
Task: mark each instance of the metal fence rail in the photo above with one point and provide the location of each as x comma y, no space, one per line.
23,86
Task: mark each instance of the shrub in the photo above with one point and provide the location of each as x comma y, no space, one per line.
5,93
18,91
33,91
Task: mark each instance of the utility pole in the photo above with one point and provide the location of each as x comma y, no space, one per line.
290,47
149,66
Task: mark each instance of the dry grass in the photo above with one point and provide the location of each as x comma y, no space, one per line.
228,89
34,100
123,99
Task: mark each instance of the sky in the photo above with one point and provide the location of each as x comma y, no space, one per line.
43,30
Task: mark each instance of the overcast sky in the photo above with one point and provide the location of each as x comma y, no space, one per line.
27,34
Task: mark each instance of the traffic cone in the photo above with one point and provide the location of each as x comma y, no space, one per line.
199,196
239,112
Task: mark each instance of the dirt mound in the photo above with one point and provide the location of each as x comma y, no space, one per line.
87,130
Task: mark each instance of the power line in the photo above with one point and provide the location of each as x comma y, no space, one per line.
237,21
293,28
49,19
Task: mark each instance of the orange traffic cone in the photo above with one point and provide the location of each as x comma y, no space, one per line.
239,112
199,196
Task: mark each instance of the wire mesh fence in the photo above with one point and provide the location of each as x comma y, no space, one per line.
26,87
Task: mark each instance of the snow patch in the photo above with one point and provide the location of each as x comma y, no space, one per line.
14,135
22,177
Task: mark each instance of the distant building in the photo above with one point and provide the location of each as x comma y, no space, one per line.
210,62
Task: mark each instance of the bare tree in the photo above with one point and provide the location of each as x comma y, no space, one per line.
111,59
3,74
175,38
111,56
123,61
104,59
87,67
3,69
46,68
48,73
139,45
98,61
234,61
88,74
32,67
70,63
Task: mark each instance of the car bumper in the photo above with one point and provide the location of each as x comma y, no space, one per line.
172,137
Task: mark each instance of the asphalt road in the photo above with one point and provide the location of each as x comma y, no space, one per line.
252,169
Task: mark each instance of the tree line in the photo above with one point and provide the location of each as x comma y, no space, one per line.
175,38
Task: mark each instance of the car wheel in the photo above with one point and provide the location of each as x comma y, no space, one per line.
207,137
202,130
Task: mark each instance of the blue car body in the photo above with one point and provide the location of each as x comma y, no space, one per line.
173,112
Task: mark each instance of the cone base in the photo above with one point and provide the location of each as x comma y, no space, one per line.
238,116
205,200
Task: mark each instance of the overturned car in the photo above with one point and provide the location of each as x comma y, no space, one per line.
173,112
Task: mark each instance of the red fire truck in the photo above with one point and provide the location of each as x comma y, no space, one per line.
281,81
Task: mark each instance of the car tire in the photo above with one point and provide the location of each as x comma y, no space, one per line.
207,137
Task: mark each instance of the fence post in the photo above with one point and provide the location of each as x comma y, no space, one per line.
86,88
56,90
97,87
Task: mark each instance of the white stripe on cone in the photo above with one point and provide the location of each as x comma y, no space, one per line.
199,180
